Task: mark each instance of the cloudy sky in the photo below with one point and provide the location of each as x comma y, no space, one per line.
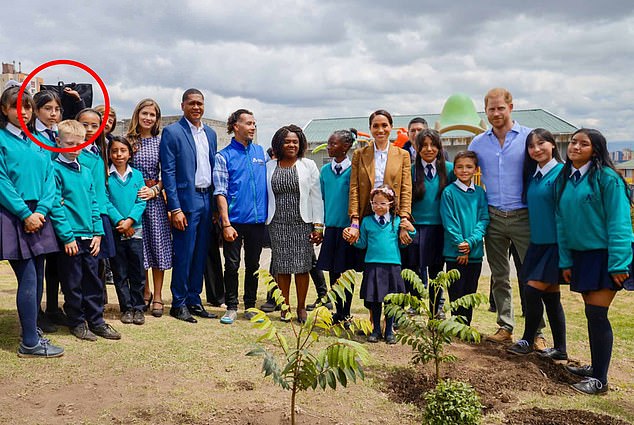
291,61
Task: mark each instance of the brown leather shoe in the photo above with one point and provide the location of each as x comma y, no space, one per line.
500,337
539,344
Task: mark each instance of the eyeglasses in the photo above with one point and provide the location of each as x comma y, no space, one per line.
380,204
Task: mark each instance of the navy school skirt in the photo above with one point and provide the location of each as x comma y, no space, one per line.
380,280
590,272
16,244
542,264
337,255
426,247
107,248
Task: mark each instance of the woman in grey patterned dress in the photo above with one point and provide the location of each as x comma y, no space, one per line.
143,132
295,213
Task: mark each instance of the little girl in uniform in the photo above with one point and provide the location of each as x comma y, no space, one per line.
465,216
382,273
27,194
125,211
430,175
337,255
94,158
594,233
540,269
48,112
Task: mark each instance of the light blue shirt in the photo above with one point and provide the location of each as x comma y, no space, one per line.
202,176
502,166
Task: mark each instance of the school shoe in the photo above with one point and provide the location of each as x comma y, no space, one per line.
229,317
57,317
106,331
81,331
500,336
138,318
555,355
127,317
591,386
43,349
583,371
250,315
45,324
269,307
539,344
390,339
520,348
374,338
317,303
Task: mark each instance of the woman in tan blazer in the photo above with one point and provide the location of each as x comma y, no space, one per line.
379,163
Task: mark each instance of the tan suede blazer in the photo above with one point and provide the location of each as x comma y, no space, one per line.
398,175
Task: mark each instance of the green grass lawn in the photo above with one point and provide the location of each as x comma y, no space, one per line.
168,371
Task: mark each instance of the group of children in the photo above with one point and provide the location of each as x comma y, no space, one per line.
69,199
580,225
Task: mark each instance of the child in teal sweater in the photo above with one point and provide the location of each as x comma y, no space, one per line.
125,210
594,233
382,274
465,216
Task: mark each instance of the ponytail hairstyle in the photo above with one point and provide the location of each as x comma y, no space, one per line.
600,159
100,141
348,137
9,99
530,165
418,190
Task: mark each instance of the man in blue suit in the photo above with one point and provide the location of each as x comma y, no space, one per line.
188,148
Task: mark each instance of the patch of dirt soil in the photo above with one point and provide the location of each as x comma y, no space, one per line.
537,416
496,375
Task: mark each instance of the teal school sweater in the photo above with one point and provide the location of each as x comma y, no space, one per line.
465,217
594,213
98,171
427,210
334,191
26,174
124,202
540,197
76,215
381,241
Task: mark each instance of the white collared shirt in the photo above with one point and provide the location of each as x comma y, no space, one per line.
463,186
345,164
62,158
387,216
123,177
202,179
40,126
549,166
433,167
16,131
380,161
583,170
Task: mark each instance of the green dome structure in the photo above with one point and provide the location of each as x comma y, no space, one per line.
459,113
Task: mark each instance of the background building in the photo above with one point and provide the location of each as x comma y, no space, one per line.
318,130
9,73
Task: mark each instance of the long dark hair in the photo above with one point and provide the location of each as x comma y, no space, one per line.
9,99
418,191
100,142
600,159
123,141
530,165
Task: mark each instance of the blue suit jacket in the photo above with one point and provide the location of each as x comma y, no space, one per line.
178,163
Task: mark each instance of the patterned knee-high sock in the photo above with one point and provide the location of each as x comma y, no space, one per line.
601,340
556,319
534,312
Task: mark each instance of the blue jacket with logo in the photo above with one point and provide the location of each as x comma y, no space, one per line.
242,181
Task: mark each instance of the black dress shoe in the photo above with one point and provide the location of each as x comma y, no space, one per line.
591,386
583,371
199,310
182,313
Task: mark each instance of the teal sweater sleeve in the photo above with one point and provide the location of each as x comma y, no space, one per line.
45,204
482,221
618,224
450,218
565,256
136,212
61,225
362,242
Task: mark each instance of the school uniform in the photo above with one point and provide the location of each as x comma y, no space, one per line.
336,254
127,264
465,217
26,186
594,229
91,159
76,218
382,272
541,263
